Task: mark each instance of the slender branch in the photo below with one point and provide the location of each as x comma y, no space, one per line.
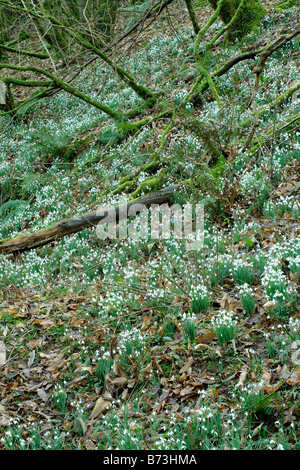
279,128
21,103
267,52
154,10
193,18
274,104
202,85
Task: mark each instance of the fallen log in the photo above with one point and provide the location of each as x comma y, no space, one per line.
66,227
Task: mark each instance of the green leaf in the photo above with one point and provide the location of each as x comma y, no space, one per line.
248,241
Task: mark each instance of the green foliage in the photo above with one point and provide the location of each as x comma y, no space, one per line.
103,368
189,329
10,209
59,397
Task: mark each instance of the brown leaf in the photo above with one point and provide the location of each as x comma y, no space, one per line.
289,416
202,380
35,343
146,323
119,371
186,391
242,378
187,365
84,368
31,358
5,419
131,382
295,377
266,376
269,305
101,406
206,338
164,396
119,381
283,372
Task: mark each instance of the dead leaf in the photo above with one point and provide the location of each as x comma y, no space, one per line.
283,372
101,406
295,357
266,376
119,371
289,416
206,338
5,419
269,305
119,381
131,383
295,377
242,378
218,352
186,391
84,368
31,358
187,365
42,394
2,353
35,343
164,396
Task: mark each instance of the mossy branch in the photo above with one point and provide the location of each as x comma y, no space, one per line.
197,57
280,128
65,86
26,83
38,55
202,84
192,14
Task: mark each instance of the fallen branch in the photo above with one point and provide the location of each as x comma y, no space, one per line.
66,227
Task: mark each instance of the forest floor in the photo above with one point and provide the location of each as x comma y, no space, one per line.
143,344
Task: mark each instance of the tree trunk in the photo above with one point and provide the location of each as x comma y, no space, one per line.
3,35
247,19
91,219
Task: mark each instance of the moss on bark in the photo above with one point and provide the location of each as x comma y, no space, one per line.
246,21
